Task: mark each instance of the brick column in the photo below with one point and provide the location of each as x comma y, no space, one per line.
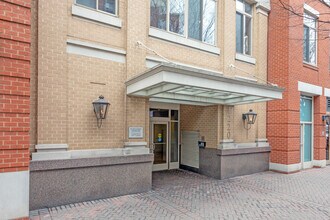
319,131
137,112
227,130
14,108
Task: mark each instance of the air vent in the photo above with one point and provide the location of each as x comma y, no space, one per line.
328,104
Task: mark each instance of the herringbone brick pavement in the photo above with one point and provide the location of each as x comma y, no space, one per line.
180,194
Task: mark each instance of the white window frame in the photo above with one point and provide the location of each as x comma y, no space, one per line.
97,8
244,18
316,36
186,14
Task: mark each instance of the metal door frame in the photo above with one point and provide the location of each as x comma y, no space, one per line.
168,121
309,164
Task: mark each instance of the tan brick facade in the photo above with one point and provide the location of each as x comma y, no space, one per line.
65,84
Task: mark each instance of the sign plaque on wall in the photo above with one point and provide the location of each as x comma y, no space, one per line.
135,132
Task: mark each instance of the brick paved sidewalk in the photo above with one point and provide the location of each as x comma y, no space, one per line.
179,194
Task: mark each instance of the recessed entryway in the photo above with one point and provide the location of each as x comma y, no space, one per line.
164,135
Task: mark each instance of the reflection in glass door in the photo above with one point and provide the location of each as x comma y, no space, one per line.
159,142
327,143
306,131
174,137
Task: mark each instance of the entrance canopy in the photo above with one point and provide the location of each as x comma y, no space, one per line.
185,85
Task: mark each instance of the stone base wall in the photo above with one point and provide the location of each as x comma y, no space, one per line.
227,163
60,182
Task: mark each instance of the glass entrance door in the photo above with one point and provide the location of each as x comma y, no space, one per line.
327,143
160,145
164,138
306,131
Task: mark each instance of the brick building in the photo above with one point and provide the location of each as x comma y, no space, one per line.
15,24
178,77
298,55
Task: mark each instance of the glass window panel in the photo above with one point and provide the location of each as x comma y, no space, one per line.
177,16
248,8
239,5
312,46
88,3
174,142
309,21
195,19
209,9
239,33
248,35
158,11
306,44
305,109
107,6
174,115
163,113
307,143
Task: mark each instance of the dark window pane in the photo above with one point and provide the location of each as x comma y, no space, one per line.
158,14
195,19
306,44
239,33
177,16
107,6
248,8
248,35
163,113
174,115
174,142
88,3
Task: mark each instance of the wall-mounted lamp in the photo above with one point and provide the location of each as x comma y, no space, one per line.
249,118
100,109
326,118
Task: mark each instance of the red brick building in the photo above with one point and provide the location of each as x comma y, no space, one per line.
298,53
14,108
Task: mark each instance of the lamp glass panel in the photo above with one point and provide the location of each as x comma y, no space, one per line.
250,118
97,110
103,110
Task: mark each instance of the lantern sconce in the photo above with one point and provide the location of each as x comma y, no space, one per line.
326,118
100,109
249,119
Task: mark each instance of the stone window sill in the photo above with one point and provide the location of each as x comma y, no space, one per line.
311,66
96,16
246,59
164,35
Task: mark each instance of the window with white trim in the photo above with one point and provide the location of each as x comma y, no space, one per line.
194,19
310,39
109,6
243,27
